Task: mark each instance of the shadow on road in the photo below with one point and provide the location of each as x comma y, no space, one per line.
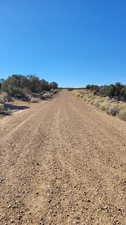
15,107
10,108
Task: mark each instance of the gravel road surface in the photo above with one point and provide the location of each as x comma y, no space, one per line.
62,162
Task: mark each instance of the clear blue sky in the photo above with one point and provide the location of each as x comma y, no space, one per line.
73,42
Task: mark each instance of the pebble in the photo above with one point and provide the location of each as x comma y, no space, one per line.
1,179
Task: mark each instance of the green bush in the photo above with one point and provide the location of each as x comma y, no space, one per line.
109,91
20,85
117,90
53,85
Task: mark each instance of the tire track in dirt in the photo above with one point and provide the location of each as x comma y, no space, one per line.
69,170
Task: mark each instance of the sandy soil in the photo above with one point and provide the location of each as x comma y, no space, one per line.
62,162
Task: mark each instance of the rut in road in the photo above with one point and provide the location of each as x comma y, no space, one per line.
62,162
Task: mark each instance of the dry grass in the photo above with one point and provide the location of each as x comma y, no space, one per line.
2,108
113,110
34,100
122,114
110,106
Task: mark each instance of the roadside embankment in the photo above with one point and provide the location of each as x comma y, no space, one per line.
109,105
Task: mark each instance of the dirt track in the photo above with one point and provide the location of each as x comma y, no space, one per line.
62,163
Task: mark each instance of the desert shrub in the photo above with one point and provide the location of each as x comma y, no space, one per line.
123,92
54,91
122,114
117,91
93,97
70,89
2,108
17,85
34,100
103,106
107,106
108,100
46,95
53,85
2,100
92,101
77,94
97,102
109,90
85,98
92,87
113,110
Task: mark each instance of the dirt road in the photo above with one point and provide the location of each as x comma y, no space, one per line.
62,163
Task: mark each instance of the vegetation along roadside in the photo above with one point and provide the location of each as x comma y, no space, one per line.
18,90
108,98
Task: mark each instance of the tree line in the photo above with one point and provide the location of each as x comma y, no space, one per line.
117,90
21,85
